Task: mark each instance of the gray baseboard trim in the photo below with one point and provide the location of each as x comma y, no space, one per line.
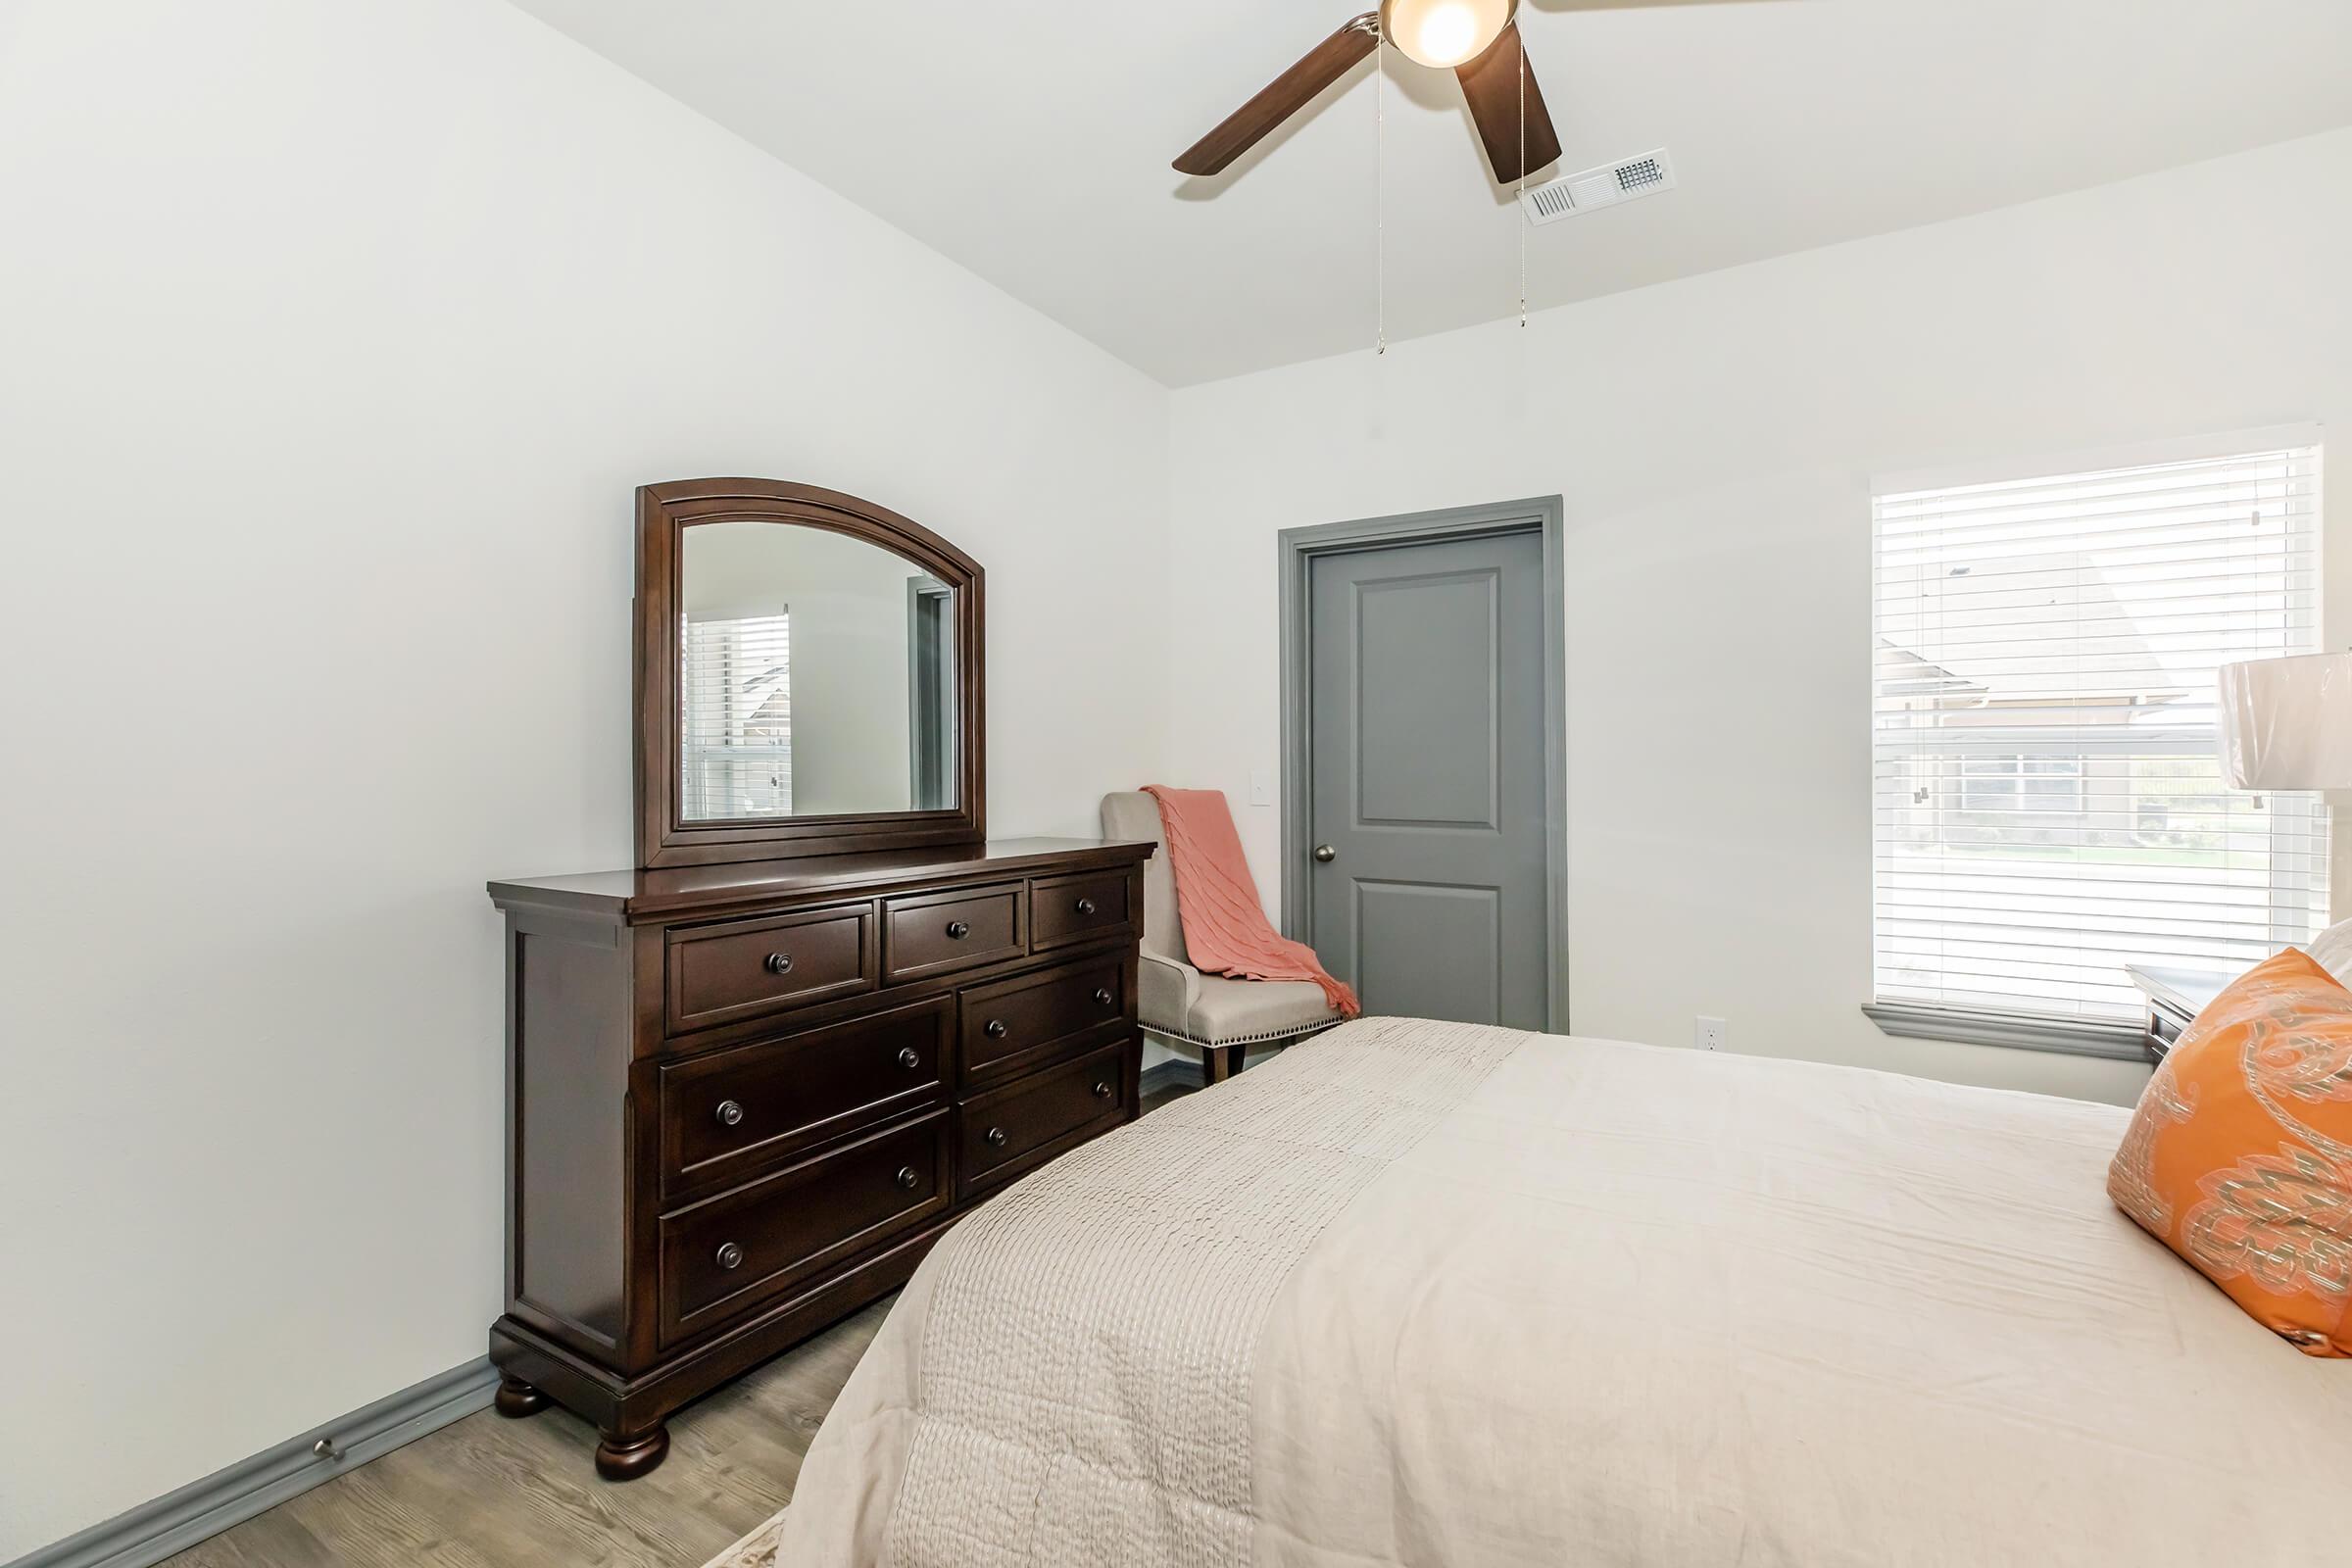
1172,1075
201,1509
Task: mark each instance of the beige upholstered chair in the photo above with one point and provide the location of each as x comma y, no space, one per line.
1222,1017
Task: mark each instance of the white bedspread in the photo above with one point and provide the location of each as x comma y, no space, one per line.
1427,1294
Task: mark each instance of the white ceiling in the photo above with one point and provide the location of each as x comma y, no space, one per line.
1030,139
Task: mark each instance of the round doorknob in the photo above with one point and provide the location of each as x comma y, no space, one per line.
994,1029
1325,853
779,963
1102,1090
730,1113
1086,906
909,1058
996,1137
1103,997
907,1178
957,930
730,1257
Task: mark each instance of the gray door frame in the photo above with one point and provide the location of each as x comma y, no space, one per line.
1542,514
930,693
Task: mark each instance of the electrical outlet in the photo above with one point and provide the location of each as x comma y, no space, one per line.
1710,1034
1262,787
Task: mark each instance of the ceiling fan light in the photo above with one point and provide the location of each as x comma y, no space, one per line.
1444,33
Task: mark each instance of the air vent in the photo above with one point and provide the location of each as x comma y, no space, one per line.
1637,176
1609,185
1548,200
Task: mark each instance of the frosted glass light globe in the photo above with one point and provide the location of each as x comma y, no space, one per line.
1445,32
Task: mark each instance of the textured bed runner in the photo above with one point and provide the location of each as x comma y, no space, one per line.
1085,1386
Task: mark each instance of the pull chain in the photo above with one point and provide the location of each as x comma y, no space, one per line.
1521,216
1380,215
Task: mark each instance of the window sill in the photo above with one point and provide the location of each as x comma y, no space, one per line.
2020,1031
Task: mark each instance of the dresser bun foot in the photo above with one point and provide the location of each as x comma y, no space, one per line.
625,1460
518,1398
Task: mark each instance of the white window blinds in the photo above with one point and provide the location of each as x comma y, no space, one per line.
2048,802
735,689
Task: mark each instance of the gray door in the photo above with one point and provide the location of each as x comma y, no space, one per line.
1426,733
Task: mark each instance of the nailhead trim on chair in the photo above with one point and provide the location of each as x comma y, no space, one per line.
1241,1040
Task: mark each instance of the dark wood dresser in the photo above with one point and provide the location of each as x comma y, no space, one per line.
745,1098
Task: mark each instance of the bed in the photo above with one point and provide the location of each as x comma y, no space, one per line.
1431,1293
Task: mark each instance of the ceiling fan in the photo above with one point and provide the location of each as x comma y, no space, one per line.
1478,40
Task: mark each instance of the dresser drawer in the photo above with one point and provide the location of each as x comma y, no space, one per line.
2165,1029
939,933
727,1115
1008,1026
730,1253
1071,909
1029,1121
720,973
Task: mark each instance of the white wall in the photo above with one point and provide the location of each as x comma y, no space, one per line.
335,337
1714,440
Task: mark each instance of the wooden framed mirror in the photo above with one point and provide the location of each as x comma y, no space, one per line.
809,677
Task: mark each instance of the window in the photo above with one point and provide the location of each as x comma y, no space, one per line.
2047,803
2015,785
736,691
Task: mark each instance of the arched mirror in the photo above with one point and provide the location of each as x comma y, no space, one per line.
808,676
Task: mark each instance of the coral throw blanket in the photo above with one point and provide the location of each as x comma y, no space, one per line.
1225,927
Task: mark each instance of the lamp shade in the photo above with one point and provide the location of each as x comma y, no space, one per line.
2286,724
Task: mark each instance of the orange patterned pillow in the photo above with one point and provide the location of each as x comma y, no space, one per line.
2239,1157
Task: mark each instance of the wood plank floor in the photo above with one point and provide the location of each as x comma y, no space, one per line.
489,1493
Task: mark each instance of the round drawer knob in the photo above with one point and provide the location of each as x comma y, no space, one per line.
730,1113
1102,998
1102,1090
998,1138
730,1257
957,930
909,1058
994,1029
907,1177
779,963
1086,906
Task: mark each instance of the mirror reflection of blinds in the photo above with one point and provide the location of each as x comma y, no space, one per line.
735,688
2047,803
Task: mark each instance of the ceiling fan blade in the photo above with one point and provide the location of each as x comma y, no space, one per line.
1492,84
1283,97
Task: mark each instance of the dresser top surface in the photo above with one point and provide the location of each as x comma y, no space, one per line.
2189,990
704,889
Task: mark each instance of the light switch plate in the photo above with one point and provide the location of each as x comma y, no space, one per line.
1262,787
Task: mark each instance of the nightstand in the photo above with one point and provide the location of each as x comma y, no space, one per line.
2175,997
